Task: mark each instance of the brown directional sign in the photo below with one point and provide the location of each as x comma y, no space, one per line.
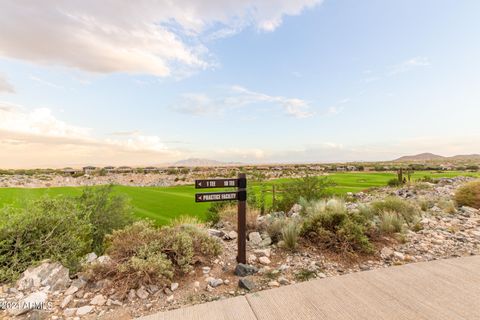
240,195
216,183
216,196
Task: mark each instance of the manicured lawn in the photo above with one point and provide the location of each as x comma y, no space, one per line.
161,204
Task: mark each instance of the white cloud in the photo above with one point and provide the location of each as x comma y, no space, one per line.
410,64
235,97
45,82
37,137
6,86
147,37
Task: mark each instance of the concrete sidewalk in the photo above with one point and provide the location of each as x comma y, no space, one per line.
443,289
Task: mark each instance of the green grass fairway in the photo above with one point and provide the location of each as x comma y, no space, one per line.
162,204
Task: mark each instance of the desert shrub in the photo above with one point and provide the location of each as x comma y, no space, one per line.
185,221
469,195
213,212
274,228
447,206
290,235
425,203
143,254
105,211
336,229
389,223
394,182
308,187
44,229
400,207
305,275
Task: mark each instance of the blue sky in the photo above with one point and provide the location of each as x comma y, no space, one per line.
248,81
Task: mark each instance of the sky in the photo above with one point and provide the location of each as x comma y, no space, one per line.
152,82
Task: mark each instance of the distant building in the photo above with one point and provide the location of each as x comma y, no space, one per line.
109,169
150,169
89,169
69,171
351,168
341,169
124,169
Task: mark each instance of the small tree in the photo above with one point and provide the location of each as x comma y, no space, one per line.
308,188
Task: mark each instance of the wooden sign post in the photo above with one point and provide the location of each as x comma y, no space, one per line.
240,195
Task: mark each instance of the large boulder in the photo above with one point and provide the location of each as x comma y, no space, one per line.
36,300
51,275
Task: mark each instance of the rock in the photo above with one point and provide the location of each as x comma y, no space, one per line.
232,235
321,275
89,258
263,252
245,283
216,233
170,299
53,275
206,270
98,300
174,286
469,211
66,301
70,312
76,285
264,260
386,252
273,284
196,285
132,295
84,310
399,256
104,260
36,300
243,270
265,242
215,283
295,210
252,258
283,281
142,293
255,238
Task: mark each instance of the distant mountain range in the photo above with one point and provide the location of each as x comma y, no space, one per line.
433,157
196,162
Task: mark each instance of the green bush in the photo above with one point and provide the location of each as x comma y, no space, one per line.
469,195
400,207
143,254
46,229
394,182
105,211
308,188
61,229
336,229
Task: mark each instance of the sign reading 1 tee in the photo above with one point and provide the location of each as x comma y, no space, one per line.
239,195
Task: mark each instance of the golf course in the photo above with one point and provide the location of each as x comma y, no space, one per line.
161,204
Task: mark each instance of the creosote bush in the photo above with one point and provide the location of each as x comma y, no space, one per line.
469,195
390,223
336,229
46,229
143,254
308,188
61,229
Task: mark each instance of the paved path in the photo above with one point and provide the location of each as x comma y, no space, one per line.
444,289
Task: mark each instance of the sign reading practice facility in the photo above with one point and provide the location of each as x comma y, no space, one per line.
216,196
